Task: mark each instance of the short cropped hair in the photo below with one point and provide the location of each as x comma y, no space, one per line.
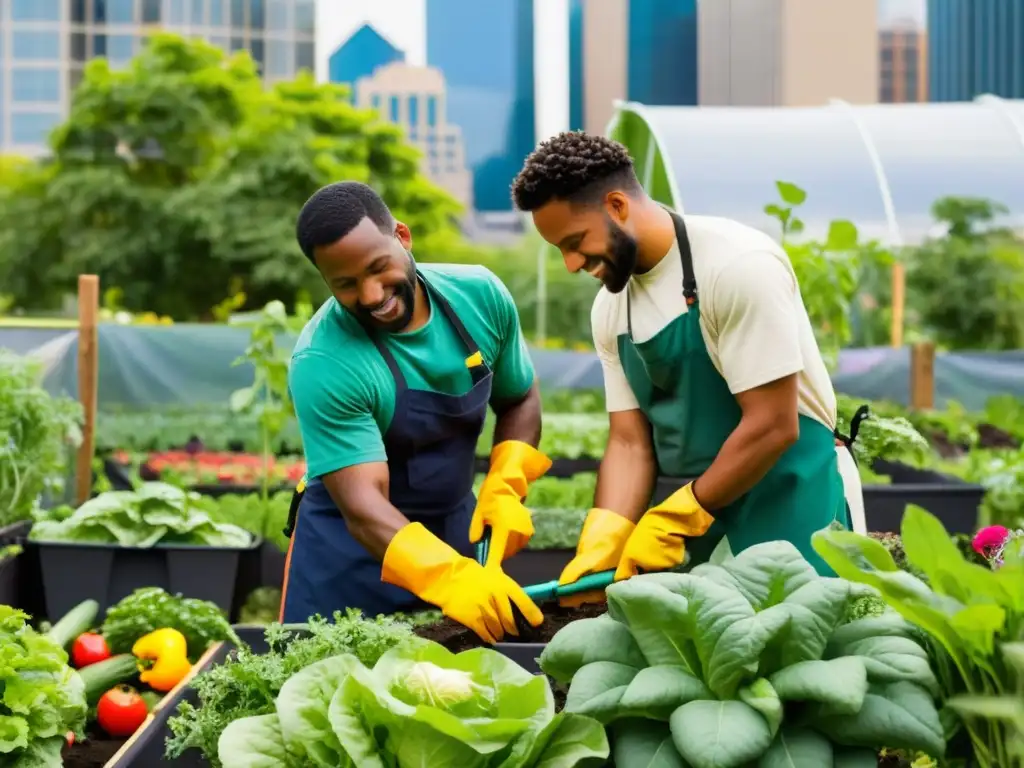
335,210
577,167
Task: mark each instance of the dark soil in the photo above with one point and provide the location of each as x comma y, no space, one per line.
943,446
94,752
456,637
990,436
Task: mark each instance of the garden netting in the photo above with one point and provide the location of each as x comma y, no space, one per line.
191,364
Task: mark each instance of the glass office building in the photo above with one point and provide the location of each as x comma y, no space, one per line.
662,52
45,44
484,48
974,48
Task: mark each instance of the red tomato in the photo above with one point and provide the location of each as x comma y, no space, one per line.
89,648
121,711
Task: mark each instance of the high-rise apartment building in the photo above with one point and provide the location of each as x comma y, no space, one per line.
485,50
415,98
975,47
45,44
640,50
903,63
787,52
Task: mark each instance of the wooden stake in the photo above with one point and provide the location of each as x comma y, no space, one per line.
899,298
922,376
88,377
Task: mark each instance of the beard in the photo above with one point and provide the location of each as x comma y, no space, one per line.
619,261
405,294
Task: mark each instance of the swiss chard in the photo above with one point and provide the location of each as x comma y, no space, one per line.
747,661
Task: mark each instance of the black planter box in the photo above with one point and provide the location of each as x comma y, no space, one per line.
12,569
73,572
953,501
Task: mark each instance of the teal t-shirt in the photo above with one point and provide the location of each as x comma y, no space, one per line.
344,394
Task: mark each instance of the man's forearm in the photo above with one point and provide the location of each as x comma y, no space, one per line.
744,459
521,420
625,479
372,520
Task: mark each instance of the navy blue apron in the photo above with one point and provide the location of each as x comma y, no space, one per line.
431,449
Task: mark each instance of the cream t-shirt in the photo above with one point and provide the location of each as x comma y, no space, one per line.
752,316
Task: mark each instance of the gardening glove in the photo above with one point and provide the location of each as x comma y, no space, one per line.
657,543
514,465
600,548
479,598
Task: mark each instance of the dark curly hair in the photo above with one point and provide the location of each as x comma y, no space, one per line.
335,210
574,166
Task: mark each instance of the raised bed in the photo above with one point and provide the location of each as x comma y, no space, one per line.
73,572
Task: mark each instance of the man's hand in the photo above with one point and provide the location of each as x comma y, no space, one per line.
658,542
514,465
624,486
482,599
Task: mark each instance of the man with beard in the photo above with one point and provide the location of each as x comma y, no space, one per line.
391,381
711,370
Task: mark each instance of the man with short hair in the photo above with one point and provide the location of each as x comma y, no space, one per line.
711,369
391,380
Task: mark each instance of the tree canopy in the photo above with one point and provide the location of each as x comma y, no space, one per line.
179,178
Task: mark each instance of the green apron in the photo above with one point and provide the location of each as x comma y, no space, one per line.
692,412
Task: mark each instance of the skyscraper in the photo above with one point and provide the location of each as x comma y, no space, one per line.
975,47
764,53
641,50
903,63
361,55
45,44
484,48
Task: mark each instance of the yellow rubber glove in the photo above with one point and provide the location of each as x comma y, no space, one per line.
600,547
657,543
478,598
514,465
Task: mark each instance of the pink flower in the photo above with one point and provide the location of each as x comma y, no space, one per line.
991,538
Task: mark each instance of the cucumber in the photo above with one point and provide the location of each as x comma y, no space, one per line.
104,675
79,619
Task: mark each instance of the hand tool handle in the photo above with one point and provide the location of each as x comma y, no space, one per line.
549,590
483,547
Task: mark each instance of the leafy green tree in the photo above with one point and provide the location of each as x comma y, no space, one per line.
179,180
968,286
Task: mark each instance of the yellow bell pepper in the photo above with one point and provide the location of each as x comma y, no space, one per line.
168,650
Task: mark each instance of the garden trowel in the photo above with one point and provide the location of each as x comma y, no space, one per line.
551,590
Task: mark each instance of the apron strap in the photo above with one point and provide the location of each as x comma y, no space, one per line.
863,414
293,508
685,259
474,361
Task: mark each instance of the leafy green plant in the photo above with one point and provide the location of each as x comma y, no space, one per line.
268,396
418,705
747,661
968,286
37,432
1006,710
150,608
966,610
828,272
43,698
153,513
247,683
